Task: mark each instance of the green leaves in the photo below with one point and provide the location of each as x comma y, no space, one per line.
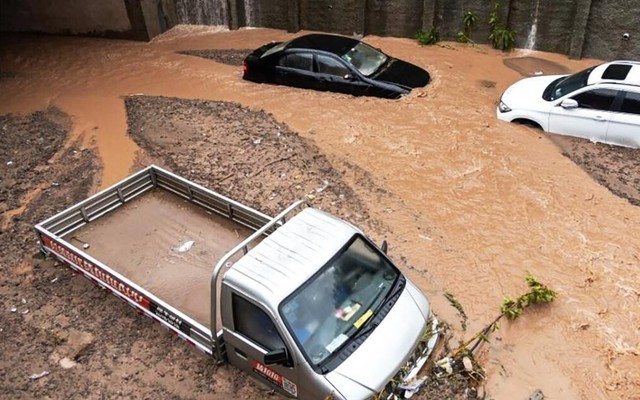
501,36
538,294
469,19
430,38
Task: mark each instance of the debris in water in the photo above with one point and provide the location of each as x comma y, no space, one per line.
184,247
537,395
9,162
411,388
54,280
444,367
38,376
14,309
85,245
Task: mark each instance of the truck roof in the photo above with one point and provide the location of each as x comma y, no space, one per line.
287,258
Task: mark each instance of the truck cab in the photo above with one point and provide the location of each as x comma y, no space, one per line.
316,309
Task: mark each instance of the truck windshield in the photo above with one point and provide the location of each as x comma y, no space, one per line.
338,301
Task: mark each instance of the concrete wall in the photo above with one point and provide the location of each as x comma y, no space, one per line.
340,16
393,18
606,23
579,28
69,16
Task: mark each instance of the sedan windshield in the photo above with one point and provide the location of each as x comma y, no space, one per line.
365,58
331,307
563,86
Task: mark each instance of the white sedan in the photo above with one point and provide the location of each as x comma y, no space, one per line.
601,103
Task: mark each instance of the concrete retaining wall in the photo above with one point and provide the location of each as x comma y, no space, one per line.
579,28
68,16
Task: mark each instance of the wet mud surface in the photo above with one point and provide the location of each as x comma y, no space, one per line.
233,57
92,345
242,153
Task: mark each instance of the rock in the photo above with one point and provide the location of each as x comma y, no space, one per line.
38,376
67,363
537,395
468,365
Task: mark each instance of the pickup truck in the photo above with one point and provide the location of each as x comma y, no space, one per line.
303,302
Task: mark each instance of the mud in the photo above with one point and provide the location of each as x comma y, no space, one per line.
233,57
469,205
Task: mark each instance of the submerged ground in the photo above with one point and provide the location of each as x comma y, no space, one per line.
468,204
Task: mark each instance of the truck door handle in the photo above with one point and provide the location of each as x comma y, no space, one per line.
241,354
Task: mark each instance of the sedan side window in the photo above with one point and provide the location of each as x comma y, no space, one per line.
631,103
331,66
598,99
253,323
303,61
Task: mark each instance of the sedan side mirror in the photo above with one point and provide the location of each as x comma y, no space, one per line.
277,356
569,104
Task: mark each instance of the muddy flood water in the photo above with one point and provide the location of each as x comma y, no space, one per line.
482,202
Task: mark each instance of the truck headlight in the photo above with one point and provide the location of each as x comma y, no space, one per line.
503,107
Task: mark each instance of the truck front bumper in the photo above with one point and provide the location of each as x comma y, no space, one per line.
410,378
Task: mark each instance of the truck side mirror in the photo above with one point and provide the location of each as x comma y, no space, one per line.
277,356
383,247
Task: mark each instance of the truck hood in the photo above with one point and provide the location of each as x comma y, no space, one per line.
385,351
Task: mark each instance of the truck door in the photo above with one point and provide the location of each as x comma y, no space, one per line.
249,337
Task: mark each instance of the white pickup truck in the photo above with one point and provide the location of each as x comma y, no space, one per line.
304,302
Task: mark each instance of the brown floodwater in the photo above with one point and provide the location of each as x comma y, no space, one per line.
485,202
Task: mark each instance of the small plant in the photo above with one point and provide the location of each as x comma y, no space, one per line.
538,294
511,309
501,36
456,304
430,38
469,20
462,38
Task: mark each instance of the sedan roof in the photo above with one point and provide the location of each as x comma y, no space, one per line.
331,43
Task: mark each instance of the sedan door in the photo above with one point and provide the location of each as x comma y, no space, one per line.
624,126
296,69
335,76
589,120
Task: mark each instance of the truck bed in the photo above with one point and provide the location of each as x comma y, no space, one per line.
142,242
131,239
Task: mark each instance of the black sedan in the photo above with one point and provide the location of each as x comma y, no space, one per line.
333,63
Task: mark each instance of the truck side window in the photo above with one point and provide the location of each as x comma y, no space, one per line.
255,324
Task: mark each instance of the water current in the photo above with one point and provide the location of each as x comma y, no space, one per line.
494,201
